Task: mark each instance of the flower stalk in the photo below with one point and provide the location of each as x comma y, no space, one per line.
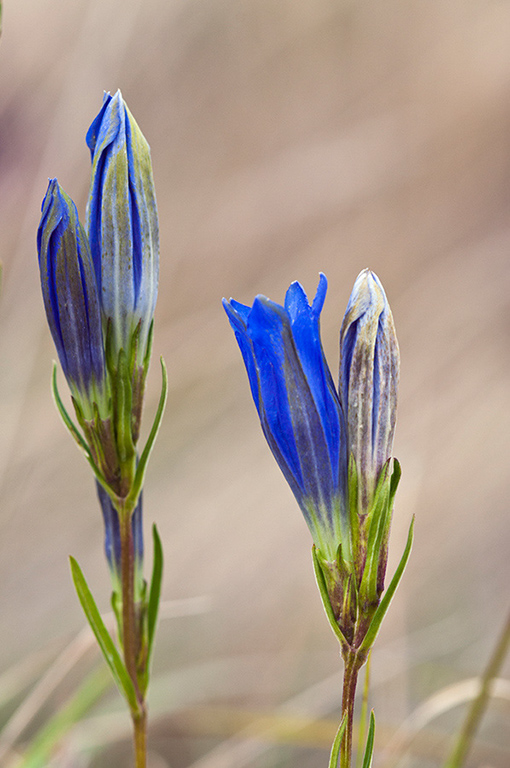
99,286
131,634
334,447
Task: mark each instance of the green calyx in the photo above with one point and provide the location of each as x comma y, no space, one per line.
376,534
335,580
109,444
352,589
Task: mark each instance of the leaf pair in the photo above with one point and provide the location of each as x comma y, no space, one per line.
337,744
107,645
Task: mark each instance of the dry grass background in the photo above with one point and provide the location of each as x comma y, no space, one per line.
288,137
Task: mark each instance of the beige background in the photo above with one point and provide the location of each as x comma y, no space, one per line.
288,137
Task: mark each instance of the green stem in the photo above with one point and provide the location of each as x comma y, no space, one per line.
130,634
352,667
478,705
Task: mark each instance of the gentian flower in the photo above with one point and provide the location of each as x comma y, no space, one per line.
122,226
333,446
369,374
298,405
71,300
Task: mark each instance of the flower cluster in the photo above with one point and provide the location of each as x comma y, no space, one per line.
99,285
333,444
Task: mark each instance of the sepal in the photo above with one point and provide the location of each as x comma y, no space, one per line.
326,600
122,395
354,520
378,524
68,422
74,431
116,603
386,599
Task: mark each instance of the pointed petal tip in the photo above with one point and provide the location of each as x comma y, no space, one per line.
367,291
320,295
228,306
237,313
295,296
265,312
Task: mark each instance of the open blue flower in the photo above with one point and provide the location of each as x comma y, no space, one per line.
122,225
298,404
71,299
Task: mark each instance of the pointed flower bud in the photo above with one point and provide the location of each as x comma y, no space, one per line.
297,403
122,226
369,374
71,299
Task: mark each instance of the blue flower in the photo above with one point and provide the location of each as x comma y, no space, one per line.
313,430
333,446
298,405
71,299
122,225
369,374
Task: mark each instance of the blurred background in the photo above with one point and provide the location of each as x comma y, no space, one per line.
287,138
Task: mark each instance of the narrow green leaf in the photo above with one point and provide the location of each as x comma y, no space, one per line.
369,749
105,642
69,423
73,429
144,458
362,723
383,606
335,749
155,591
321,583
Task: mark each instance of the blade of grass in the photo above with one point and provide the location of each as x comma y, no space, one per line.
47,738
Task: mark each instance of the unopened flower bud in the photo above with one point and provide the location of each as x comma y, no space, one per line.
369,374
122,226
71,300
